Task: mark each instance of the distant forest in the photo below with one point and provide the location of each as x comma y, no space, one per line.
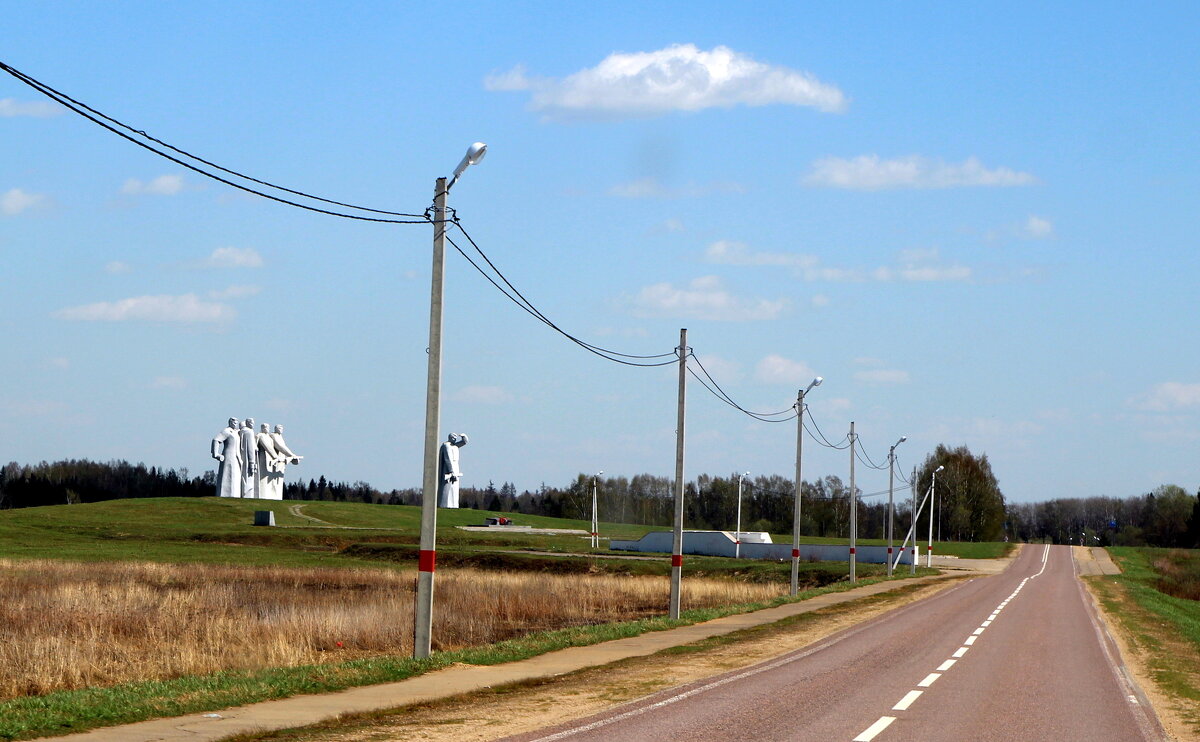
970,506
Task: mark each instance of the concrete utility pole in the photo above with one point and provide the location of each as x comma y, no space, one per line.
595,513
737,539
427,555
799,483
853,507
932,503
677,541
913,528
891,507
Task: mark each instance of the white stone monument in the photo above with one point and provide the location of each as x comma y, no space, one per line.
273,458
249,448
252,465
226,448
449,474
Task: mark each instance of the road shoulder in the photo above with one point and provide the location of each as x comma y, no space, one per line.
1133,659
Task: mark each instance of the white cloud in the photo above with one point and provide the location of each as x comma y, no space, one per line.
187,308
918,254
722,369
703,298
680,77
820,300
1038,228
234,257
775,369
1169,395
235,292
837,404
868,361
163,185
870,173
882,376
11,107
673,225
929,273
728,252
169,382
832,275
59,362
650,187
117,267
17,200
279,405
914,265
488,395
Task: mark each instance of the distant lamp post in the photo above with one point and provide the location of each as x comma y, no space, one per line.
595,513
427,556
737,538
799,483
891,507
932,500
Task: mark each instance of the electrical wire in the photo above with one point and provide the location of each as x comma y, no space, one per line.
731,403
822,440
87,112
533,312
722,395
537,313
861,450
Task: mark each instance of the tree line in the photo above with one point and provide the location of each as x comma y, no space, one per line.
1167,516
968,506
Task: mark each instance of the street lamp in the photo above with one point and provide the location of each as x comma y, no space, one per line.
932,500
427,556
891,508
796,507
595,514
737,539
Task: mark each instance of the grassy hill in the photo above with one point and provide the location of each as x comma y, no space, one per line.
312,534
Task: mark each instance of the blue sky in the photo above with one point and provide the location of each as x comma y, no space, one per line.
976,222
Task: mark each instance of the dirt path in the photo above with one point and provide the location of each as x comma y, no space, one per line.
296,510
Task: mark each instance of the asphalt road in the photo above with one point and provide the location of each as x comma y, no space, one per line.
1016,656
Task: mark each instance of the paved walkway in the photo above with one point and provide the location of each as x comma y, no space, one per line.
456,680
1094,560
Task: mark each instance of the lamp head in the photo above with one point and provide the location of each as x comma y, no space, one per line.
902,439
935,471
815,383
473,156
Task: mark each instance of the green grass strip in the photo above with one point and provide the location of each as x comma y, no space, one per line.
66,712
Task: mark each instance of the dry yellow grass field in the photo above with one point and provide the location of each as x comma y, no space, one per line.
70,625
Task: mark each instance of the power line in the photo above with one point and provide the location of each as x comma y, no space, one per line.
864,453
96,117
822,440
533,311
537,313
722,395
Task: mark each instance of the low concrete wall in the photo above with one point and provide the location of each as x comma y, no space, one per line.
721,543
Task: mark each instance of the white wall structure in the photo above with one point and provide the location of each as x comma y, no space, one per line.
721,543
